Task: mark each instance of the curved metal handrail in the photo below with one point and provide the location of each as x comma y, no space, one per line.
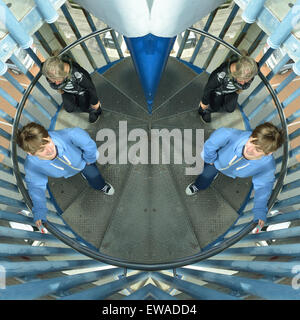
136,265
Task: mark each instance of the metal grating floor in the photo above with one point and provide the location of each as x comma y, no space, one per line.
149,219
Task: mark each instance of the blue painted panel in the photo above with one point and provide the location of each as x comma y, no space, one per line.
106,67
150,55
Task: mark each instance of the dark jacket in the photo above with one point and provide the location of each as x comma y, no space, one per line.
220,83
79,82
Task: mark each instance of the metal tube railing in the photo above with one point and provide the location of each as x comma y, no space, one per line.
192,289
219,247
74,28
103,291
99,42
129,264
226,26
265,289
286,250
39,288
206,27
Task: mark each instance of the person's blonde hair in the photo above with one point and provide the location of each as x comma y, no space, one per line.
54,68
245,68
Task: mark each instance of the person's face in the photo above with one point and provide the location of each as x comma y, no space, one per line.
252,151
57,81
242,81
47,151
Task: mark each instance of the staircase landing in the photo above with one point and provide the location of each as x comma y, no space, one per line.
149,219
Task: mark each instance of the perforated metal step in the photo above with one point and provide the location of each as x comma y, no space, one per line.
150,219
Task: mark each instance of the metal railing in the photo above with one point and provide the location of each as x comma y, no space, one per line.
20,244
217,248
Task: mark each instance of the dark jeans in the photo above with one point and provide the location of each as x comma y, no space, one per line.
206,177
93,176
228,102
76,103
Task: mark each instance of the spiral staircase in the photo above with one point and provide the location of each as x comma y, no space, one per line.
150,241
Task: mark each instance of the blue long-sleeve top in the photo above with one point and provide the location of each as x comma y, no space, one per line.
224,149
75,149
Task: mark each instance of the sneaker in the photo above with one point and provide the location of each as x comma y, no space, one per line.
206,117
191,189
200,111
108,189
94,115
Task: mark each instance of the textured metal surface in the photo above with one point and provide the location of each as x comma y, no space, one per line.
66,191
150,223
91,212
126,80
150,218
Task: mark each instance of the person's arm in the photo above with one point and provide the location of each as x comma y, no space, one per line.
81,139
211,86
88,85
263,185
36,185
217,140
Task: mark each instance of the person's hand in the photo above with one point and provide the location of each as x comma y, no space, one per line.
203,106
96,106
261,223
38,223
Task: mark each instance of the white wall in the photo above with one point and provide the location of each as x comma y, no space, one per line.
136,18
